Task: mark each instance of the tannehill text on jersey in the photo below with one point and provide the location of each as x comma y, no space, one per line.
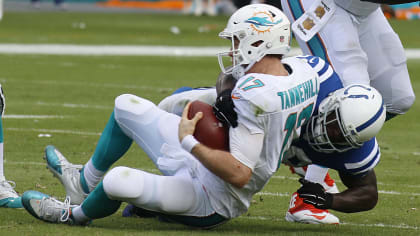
299,94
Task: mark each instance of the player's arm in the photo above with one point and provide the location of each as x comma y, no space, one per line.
361,193
221,163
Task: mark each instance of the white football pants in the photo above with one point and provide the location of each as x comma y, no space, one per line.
365,51
156,132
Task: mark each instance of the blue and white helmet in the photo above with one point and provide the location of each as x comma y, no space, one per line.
359,115
261,29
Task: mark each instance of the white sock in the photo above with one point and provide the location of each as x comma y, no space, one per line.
92,175
316,173
78,215
1,160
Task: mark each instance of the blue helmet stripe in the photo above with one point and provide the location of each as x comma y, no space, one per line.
372,120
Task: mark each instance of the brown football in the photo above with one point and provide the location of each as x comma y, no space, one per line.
209,130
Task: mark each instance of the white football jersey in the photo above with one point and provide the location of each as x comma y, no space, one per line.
275,106
357,7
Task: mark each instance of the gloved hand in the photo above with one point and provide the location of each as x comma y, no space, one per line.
314,194
296,157
223,109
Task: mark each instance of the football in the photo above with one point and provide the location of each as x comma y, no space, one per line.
209,130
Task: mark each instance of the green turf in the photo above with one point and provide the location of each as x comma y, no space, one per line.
82,91
134,28
112,28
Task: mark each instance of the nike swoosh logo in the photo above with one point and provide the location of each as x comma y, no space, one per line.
316,216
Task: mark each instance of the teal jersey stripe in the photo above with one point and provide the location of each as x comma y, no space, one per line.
1,130
315,44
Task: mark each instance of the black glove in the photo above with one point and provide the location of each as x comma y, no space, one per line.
314,194
223,109
296,157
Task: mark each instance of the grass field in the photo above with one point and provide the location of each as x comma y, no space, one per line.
73,98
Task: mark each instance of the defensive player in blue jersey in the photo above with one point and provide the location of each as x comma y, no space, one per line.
357,40
354,157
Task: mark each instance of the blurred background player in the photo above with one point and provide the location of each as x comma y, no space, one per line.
1,9
8,196
199,7
59,4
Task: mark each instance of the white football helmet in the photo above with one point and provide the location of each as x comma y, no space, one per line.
261,29
359,115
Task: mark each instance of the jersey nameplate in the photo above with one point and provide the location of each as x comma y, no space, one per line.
298,94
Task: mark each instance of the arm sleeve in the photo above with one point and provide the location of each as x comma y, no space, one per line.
244,146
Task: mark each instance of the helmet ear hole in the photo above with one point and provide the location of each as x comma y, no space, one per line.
257,43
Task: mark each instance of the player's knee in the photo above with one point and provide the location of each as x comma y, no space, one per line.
131,107
129,103
123,183
178,195
402,105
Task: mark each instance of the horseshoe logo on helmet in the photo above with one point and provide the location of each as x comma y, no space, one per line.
346,92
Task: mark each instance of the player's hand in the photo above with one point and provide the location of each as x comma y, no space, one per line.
296,157
314,194
187,126
223,109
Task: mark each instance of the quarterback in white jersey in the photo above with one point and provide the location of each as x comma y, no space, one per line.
273,108
200,186
357,40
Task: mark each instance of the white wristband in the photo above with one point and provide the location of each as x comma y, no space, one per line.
188,142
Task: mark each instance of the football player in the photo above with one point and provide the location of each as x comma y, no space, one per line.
356,39
354,158
200,186
8,196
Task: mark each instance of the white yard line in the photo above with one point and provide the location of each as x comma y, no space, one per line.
15,116
380,225
54,131
71,105
114,50
131,50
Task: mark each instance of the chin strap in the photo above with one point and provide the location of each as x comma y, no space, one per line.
239,71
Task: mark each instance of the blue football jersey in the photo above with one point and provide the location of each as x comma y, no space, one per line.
355,161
